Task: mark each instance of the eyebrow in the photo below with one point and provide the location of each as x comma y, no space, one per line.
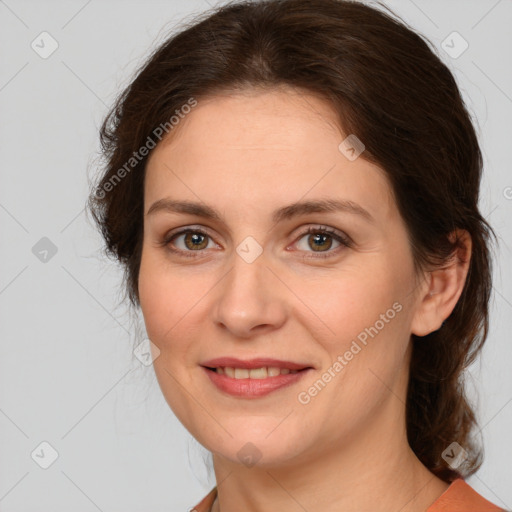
285,213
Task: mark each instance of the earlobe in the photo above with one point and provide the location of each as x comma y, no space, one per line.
444,288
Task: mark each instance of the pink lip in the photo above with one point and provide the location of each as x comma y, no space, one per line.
253,388
260,362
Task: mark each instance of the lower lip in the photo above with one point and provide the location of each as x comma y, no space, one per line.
253,388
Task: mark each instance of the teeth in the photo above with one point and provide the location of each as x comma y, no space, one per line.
241,373
253,373
273,372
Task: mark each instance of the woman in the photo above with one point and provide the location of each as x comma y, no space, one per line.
292,188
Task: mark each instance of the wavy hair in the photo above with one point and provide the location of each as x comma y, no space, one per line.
388,87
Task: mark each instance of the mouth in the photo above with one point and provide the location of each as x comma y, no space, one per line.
254,373
254,378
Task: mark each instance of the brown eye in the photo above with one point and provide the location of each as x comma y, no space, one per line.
187,241
195,241
320,241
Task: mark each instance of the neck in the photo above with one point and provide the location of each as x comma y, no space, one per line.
374,471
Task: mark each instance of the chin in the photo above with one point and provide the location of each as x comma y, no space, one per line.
253,445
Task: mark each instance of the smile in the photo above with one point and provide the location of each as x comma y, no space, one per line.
253,383
255,373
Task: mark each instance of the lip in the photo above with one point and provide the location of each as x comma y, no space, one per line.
259,362
253,388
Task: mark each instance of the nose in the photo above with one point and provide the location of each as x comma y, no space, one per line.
250,299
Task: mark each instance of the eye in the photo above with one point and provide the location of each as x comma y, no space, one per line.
320,240
194,240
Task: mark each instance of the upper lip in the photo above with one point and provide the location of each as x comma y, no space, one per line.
260,362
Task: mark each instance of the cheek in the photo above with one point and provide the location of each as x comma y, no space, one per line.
151,291
164,298
364,318
164,304
366,353
160,300
344,303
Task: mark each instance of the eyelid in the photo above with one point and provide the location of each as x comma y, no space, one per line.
320,228
183,230
193,227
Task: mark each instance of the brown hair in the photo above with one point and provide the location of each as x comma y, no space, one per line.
393,92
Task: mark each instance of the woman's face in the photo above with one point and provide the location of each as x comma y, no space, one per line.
253,284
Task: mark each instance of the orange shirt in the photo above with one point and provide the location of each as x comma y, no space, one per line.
459,497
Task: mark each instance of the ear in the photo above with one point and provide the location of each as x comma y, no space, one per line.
444,287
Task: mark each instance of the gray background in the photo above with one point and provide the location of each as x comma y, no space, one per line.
67,372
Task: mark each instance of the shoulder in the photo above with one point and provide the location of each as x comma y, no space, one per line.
461,497
206,503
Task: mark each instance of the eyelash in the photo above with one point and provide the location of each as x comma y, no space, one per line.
322,230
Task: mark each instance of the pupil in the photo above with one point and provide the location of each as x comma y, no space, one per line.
319,240
195,238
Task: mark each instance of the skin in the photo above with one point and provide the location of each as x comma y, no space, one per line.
247,154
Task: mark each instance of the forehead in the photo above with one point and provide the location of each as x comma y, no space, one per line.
263,148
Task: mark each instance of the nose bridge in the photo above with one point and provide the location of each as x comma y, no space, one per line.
249,294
